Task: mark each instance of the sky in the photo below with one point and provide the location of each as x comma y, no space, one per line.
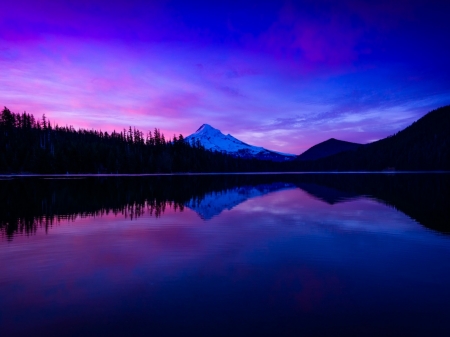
284,75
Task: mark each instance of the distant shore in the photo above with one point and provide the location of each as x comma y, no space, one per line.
68,175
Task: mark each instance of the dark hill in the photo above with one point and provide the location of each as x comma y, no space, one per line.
327,148
424,145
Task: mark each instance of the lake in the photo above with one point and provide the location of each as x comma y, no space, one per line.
225,255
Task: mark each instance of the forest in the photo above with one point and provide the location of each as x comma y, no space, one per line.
30,145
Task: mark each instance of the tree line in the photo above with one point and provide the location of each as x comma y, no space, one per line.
30,145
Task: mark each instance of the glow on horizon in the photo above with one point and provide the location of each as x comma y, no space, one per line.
282,76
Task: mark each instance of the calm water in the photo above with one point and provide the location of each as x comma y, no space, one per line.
275,255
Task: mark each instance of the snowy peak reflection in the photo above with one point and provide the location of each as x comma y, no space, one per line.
214,203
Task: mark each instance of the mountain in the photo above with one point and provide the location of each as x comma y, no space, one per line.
214,140
327,148
424,145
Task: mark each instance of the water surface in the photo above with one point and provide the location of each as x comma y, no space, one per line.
284,255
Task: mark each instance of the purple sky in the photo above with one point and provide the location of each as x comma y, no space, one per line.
280,75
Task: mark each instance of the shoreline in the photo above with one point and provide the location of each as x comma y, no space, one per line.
69,175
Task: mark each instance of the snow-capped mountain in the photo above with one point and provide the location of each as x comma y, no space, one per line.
212,139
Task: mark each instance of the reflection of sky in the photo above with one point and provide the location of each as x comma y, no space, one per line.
283,74
275,257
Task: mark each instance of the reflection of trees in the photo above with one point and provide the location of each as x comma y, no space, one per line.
423,197
31,203
29,225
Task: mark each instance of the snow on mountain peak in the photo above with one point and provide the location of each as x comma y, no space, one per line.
206,128
213,139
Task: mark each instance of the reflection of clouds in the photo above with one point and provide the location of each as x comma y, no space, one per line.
184,236
91,258
361,214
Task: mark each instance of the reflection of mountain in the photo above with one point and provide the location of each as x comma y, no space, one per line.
422,197
212,204
29,203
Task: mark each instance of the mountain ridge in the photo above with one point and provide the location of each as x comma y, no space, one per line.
327,148
423,145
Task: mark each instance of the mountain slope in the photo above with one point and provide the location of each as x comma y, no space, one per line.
327,148
214,140
424,145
